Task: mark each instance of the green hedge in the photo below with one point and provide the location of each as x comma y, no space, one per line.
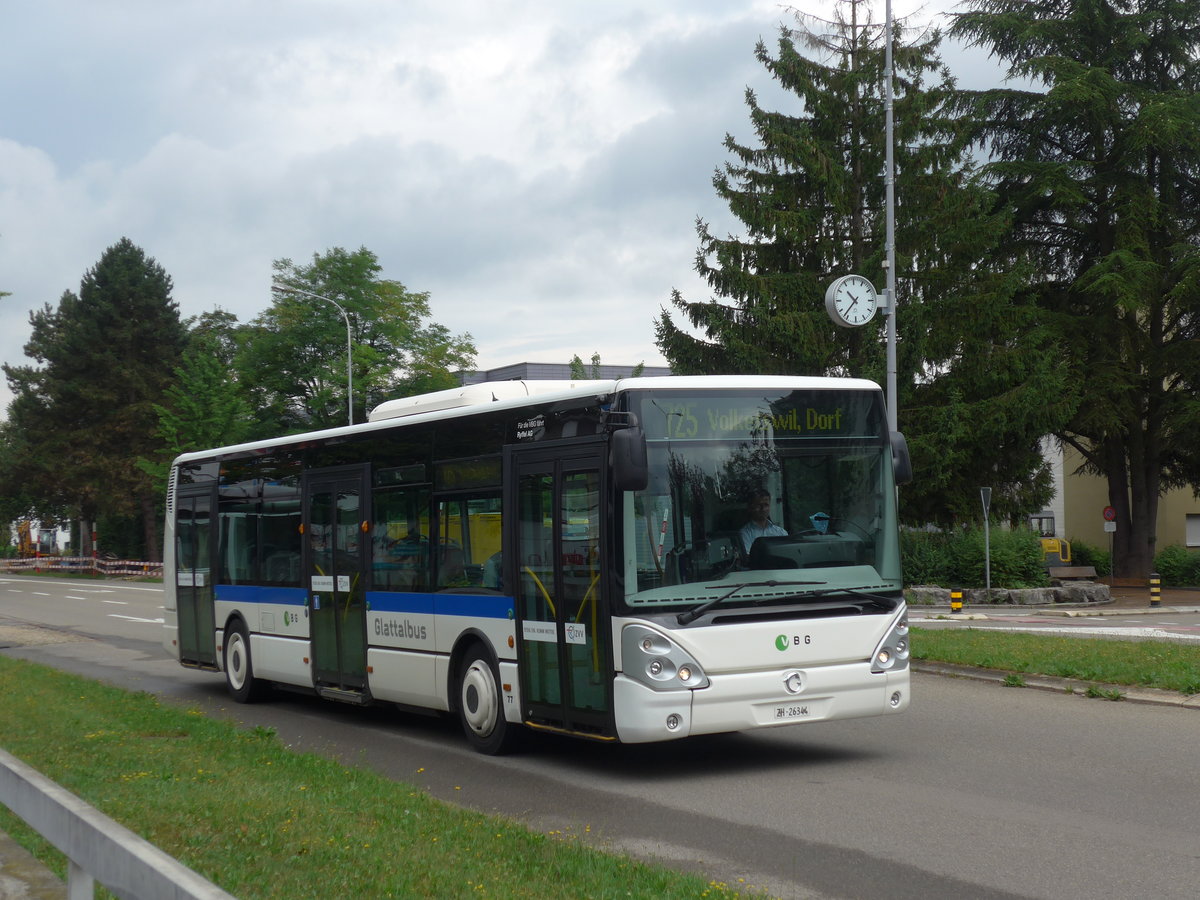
956,558
1178,566
1099,558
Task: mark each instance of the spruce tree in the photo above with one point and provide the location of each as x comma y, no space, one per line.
84,412
811,196
1098,165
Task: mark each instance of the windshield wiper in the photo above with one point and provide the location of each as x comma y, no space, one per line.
879,599
691,615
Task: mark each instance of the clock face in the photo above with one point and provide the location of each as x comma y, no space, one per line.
851,300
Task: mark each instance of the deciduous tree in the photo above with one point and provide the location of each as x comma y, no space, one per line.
292,358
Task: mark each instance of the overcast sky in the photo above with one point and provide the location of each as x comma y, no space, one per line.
537,166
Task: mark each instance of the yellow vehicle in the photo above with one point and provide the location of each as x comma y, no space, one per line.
1056,552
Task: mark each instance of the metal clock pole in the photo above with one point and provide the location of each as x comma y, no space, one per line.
890,289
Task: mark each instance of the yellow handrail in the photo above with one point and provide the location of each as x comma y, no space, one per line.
542,588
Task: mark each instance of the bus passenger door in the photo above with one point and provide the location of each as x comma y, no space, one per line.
336,532
555,502
194,547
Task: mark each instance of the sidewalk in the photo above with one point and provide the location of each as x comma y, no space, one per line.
1125,601
22,877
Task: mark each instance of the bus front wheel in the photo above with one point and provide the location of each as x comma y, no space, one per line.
480,706
239,669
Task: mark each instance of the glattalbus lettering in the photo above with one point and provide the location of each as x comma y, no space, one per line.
401,629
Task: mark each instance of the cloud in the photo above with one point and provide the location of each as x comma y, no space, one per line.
536,166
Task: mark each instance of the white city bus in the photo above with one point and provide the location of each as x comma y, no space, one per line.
569,557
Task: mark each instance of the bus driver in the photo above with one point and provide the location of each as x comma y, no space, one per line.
758,508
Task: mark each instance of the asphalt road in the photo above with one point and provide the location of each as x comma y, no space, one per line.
978,791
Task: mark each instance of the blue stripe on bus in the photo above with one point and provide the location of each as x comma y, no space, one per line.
253,593
483,606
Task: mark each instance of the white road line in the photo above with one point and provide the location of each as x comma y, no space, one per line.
1155,633
116,602
136,619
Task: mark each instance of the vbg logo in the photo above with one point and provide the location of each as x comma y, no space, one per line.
783,641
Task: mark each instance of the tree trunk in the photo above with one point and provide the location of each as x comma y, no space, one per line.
1133,492
85,537
150,529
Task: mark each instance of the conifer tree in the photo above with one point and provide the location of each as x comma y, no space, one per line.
974,401
1098,165
84,411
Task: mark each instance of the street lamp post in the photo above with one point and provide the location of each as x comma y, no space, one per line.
288,289
890,290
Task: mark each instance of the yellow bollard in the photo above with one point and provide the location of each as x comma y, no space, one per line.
1155,589
956,601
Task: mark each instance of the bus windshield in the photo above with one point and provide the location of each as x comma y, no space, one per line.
762,497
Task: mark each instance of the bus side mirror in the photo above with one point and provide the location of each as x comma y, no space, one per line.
627,455
901,461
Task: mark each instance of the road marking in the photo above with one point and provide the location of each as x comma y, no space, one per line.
1155,633
116,602
136,619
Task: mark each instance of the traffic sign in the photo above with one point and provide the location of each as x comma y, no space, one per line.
1110,514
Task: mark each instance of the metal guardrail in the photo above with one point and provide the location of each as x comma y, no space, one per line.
94,565
97,848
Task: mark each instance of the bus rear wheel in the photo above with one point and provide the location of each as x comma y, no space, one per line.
239,668
480,706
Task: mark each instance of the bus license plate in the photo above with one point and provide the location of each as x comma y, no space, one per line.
786,711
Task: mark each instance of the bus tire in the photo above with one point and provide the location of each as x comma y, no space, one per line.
480,706
239,667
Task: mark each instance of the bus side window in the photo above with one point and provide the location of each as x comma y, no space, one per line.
400,545
237,515
280,528
468,552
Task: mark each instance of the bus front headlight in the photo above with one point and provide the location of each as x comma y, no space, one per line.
892,653
656,661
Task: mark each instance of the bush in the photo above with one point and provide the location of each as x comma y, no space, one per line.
957,558
1087,555
924,557
1178,566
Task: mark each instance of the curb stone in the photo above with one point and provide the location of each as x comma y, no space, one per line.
1072,686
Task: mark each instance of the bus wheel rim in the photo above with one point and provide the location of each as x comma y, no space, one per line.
237,661
479,700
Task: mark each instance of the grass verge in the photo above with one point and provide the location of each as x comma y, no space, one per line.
1154,664
261,821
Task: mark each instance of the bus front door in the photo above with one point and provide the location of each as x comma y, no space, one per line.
194,548
562,631
335,552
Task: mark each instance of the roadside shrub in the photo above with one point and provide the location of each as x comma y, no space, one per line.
957,558
1083,554
924,557
1178,566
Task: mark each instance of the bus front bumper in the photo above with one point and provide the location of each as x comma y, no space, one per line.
752,700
